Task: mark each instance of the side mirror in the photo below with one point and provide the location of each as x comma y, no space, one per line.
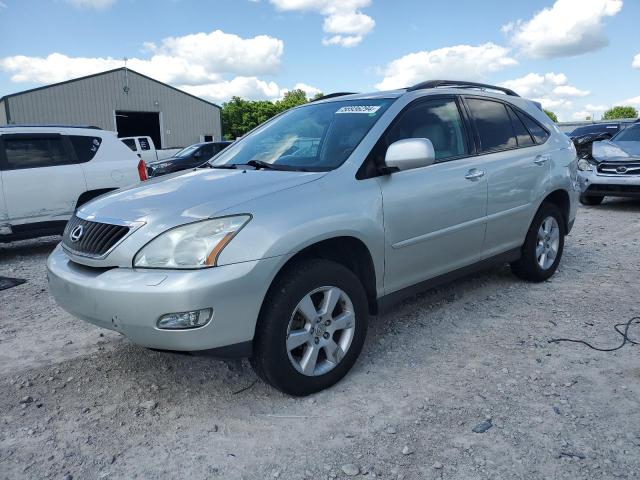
410,153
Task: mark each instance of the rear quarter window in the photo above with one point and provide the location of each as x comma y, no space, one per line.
538,132
85,147
131,143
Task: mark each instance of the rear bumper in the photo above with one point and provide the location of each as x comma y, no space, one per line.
592,184
131,301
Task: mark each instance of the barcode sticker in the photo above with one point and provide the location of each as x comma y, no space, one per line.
359,109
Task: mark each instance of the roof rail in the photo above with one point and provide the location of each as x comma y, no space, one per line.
45,125
332,95
460,84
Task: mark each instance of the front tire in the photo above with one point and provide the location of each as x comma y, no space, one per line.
591,200
311,328
543,246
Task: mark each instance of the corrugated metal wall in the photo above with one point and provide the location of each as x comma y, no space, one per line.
93,101
3,114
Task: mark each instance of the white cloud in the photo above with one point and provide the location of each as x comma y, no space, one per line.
636,61
92,4
633,101
567,28
2,5
192,59
344,23
552,90
458,62
250,88
591,112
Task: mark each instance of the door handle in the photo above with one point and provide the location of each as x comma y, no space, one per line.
474,173
541,159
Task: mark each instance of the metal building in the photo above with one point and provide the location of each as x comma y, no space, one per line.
121,100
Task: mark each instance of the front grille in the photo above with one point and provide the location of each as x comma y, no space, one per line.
92,239
619,168
613,189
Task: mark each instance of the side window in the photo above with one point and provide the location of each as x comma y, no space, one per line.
85,147
522,134
34,152
540,135
130,142
144,143
493,125
437,120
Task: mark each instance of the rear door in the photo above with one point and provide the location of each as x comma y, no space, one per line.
41,179
517,171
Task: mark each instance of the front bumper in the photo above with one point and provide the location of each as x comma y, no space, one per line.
595,184
131,301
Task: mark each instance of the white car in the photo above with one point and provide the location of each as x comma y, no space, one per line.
46,172
146,149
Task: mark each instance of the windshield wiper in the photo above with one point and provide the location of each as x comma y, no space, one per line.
257,164
229,166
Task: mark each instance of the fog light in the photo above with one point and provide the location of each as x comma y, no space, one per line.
183,320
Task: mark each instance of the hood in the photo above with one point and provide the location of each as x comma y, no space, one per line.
185,197
168,159
608,151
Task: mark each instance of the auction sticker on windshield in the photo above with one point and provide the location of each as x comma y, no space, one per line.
359,109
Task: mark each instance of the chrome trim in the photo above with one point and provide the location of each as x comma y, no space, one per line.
133,226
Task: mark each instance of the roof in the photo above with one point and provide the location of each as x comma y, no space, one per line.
104,73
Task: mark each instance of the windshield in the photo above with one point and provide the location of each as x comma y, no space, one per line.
315,137
597,128
185,152
631,134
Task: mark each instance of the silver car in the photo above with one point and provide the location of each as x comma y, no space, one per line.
322,216
612,169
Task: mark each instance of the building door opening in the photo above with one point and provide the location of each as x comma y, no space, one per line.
139,124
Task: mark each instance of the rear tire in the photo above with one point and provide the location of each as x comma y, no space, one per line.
543,245
296,312
591,200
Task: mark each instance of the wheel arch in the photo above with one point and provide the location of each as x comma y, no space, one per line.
91,194
561,199
349,251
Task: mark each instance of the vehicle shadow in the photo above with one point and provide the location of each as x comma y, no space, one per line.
619,204
232,378
36,246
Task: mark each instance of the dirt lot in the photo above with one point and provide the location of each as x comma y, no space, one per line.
79,402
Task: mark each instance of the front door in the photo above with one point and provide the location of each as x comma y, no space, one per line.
42,180
434,217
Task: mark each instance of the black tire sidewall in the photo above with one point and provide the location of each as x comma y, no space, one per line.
536,272
270,358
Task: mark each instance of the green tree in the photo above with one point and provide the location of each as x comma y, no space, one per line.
551,115
620,111
239,116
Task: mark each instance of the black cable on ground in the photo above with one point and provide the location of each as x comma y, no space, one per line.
624,333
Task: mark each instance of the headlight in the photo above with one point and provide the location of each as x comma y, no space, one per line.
584,165
195,245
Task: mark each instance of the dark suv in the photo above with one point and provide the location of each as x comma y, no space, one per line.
190,157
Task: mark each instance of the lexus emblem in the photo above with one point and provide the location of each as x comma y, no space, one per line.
76,234
621,169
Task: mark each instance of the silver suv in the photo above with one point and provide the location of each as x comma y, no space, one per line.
318,218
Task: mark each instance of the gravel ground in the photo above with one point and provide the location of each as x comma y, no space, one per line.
79,402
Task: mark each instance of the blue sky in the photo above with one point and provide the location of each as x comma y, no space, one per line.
576,56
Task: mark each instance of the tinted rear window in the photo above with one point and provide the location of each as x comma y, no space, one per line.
144,144
493,125
85,147
34,152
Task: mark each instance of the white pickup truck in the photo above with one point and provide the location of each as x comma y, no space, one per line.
146,149
46,172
